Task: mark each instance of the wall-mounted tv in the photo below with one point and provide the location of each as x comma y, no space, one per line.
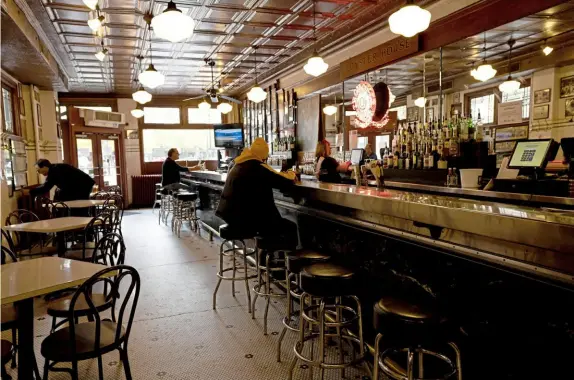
228,135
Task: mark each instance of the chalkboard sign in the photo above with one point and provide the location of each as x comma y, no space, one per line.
308,110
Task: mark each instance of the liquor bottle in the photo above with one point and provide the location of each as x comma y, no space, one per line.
396,160
449,177
291,143
442,163
434,155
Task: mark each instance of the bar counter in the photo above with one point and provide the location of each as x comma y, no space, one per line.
504,273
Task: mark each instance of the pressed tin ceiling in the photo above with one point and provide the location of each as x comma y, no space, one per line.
225,31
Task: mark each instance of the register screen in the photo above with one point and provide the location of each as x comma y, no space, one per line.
529,154
356,156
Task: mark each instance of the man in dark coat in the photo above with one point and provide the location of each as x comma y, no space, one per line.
72,183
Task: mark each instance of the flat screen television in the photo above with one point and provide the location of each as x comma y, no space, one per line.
228,135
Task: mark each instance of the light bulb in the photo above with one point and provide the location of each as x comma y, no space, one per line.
204,105
509,86
172,24
483,73
330,110
141,96
409,20
137,113
547,50
420,102
316,66
224,108
102,54
151,77
256,94
96,23
91,3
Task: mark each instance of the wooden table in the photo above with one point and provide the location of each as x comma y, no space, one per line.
24,280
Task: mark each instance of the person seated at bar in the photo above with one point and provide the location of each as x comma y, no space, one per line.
369,154
327,169
247,201
170,171
72,183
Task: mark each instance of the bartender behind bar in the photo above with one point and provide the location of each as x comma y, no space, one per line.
247,201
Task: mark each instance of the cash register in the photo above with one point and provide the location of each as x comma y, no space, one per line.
530,158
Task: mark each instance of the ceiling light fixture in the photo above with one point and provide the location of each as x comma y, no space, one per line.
485,71
172,24
509,85
330,110
256,94
102,54
96,23
224,108
137,112
151,77
420,102
204,106
92,4
315,65
141,96
409,20
547,49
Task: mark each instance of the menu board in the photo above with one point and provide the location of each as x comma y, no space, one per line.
308,112
510,112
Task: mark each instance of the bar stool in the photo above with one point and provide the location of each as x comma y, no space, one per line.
233,236
184,211
165,205
296,261
411,326
275,258
157,201
321,282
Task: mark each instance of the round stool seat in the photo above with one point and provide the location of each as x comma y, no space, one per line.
230,233
164,191
327,280
270,243
187,196
298,260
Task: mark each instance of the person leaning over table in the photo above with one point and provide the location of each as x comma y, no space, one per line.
170,171
327,169
72,183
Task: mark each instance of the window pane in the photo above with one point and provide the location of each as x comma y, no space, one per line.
161,115
7,105
197,116
192,144
95,108
482,108
520,94
401,112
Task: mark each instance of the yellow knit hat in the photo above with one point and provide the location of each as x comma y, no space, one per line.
260,149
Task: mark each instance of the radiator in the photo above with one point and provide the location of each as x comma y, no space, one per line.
143,189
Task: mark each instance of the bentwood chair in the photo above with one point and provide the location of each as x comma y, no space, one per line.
109,251
59,210
94,230
28,243
91,340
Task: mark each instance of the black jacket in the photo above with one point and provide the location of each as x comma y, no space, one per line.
68,179
247,198
170,172
329,171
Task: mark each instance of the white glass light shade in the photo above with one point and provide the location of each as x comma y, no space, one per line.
141,96
350,113
256,94
204,105
510,85
96,23
224,108
316,66
547,50
329,110
102,54
137,113
172,24
91,3
483,73
420,102
151,77
409,20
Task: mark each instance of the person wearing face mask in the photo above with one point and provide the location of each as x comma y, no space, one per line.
72,183
247,201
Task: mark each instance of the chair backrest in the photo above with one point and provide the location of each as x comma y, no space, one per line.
110,250
43,207
116,277
103,195
114,190
24,240
118,201
20,216
8,253
6,236
60,210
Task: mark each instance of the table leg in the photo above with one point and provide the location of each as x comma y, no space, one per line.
26,360
61,243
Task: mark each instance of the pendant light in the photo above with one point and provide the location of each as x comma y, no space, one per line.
151,77
510,85
204,106
547,49
409,20
137,112
224,108
141,95
172,24
315,65
256,94
330,110
485,71
102,54
421,101
92,4
96,23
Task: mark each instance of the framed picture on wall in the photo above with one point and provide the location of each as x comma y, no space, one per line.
542,96
412,113
567,87
540,112
456,109
569,109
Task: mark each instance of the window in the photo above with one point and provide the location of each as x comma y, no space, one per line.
193,144
161,115
63,112
197,116
382,142
362,142
401,112
7,111
520,94
94,108
482,107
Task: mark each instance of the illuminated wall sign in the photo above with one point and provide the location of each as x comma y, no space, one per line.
364,103
381,55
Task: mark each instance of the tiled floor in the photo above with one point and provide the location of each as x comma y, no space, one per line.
176,334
